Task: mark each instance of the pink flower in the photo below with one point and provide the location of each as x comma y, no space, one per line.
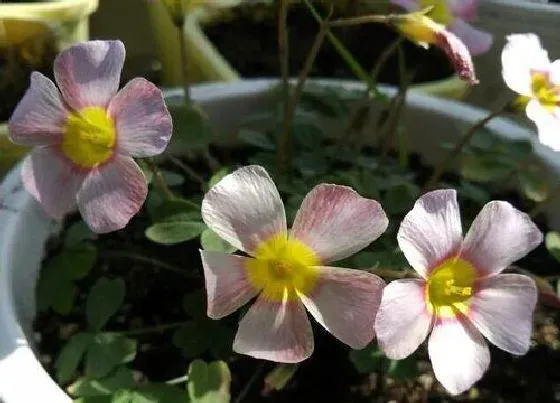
286,271
461,295
87,133
454,14
527,70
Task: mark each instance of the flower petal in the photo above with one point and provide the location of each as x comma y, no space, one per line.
408,5
477,42
464,9
554,72
403,321
245,208
275,331
458,55
227,287
499,235
88,73
459,354
547,122
142,120
336,222
38,119
431,231
502,309
345,302
112,194
52,180
522,54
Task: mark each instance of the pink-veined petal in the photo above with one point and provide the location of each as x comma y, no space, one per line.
403,321
502,310
554,73
459,354
245,208
478,42
345,302
458,55
464,9
275,331
336,222
408,5
547,122
112,194
499,235
431,231
88,73
226,282
141,118
52,180
522,54
38,119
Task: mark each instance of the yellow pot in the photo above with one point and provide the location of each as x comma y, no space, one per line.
206,63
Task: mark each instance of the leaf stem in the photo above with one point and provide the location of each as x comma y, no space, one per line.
284,139
184,64
439,169
186,169
113,254
249,384
178,380
158,179
154,329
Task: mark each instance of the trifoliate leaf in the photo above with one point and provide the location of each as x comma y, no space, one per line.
256,139
122,378
106,352
71,355
191,127
103,300
209,382
212,242
552,243
173,232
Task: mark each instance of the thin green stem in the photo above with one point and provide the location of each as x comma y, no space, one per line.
258,371
176,381
284,138
154,329
191,173
184,64
362,19
346,55
158,179
113,254
454,153
385,55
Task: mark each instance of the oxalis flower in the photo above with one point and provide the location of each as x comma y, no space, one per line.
86,134
461,294
454,16
287,270
528,71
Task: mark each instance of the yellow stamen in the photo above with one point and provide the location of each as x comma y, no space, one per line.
89,137
283,268
418,28
544,91
450,287
440,12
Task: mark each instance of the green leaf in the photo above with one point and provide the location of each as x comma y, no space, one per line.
307,135
172,178
159,393
63,299
77,233
369,359
170,233
256,139
76,262
278,378
212,242
400,198
552,243
55,290
403,369
473,192
533,183
209,383
122,378
93,399
103,300
484,168
71,355
170,210
123,396
191,340
148,173
312,163
107,351
191,127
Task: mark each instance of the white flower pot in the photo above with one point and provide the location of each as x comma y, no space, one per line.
23,232
501,18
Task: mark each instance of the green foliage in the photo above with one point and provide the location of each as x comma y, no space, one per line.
103,300
150,393
552,243
191,127
106,352
372,359
255,139
212,242
71,355
121,378
217,176
278,378
208,382
77,233
175,221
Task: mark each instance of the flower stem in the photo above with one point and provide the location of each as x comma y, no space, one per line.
438,171
113,254
184,64
249,384
158,179
154,329
284,139
175,381
186,169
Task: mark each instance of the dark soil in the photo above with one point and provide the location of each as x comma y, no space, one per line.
247,37
154,297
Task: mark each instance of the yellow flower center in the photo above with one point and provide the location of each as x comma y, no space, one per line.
283,268
418,28
440,12
450,287
544,91
89,137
